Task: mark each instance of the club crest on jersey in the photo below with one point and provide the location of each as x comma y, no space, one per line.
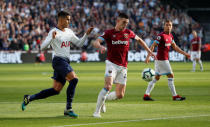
114,36
65,44
158,37
126,35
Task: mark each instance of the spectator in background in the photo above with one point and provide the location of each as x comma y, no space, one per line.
29,19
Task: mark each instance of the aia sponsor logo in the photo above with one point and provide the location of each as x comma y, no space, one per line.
65,44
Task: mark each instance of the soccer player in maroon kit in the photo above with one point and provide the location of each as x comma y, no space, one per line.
195,49
162,66
117,40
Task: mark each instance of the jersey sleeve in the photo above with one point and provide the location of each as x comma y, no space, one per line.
172,38
104,36
77,41
47,41
132,34
158,39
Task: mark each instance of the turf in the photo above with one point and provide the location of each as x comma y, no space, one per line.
19,79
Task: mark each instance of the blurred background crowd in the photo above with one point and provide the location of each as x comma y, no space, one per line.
25,23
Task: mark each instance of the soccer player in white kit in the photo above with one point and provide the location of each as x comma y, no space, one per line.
60,39
117,40
162,66
195,49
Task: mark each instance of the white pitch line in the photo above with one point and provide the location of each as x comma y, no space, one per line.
161,118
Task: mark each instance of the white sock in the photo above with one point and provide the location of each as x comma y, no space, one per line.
101,99
111,96
150,86
171,86
194,64
201,65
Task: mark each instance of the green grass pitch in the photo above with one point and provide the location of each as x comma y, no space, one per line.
19,79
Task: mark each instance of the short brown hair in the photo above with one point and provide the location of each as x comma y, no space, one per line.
167,20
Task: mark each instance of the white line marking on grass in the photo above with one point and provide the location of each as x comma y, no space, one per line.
126,121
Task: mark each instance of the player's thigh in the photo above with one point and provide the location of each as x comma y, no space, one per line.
110,74
163,67
71,75
120,90
57,85
193,56
121,76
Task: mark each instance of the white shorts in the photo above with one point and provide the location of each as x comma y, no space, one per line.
162,67
118,73
195,55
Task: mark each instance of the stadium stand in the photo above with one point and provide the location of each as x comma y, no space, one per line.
25,23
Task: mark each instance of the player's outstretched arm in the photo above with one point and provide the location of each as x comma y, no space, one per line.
152,49
80,42
176,48
143,44
97,44
48,40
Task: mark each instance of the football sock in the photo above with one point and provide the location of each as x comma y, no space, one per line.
101,99
70,92
201,65
43,94
111,96
171,86
150,86
194,64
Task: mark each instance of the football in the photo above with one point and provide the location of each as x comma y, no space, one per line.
148,74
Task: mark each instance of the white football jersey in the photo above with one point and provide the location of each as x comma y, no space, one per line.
63,40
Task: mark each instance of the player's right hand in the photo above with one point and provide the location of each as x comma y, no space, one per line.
89,30
102,49
188,56
54,34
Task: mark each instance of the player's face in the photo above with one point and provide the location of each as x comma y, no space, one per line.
168,27
65,21
122,23
194,34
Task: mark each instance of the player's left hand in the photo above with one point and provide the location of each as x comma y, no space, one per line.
188,56
89,30
153,55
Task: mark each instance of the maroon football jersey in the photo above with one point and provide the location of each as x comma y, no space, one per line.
164,42
195,43
118,45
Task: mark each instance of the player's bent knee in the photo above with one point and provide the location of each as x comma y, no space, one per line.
170,76
108,87
157,77
56,91
120,96
70,76
75,80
